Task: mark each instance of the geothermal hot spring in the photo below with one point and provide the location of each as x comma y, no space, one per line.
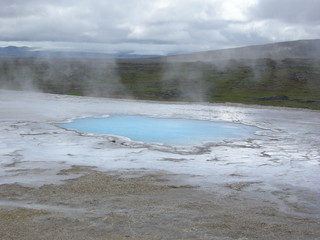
170,131
268,153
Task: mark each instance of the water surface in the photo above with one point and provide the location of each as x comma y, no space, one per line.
161,130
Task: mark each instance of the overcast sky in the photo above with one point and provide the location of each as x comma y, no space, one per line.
155,26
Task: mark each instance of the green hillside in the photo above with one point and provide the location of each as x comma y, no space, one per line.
288,81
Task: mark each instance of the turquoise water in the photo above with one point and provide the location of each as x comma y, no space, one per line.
161,130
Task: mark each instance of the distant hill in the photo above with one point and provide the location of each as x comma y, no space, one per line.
282,50
281,74
293,49
26,52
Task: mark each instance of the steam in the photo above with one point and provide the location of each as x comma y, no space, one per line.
91,77
103,80
183,81
15,75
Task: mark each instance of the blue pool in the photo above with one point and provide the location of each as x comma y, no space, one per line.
161,130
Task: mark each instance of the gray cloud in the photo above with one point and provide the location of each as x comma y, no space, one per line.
289,11
158,26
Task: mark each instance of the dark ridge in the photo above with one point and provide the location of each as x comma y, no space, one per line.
281,50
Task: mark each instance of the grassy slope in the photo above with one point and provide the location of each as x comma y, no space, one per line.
242,80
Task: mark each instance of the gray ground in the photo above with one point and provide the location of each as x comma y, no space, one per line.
107,206
58,184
